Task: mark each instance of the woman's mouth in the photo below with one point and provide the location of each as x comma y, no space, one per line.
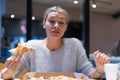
56,32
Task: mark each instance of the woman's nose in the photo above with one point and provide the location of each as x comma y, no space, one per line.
56,25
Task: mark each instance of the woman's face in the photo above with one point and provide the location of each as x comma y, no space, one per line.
55,25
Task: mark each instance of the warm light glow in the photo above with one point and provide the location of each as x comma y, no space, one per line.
94,6
33,17
12,16
75,2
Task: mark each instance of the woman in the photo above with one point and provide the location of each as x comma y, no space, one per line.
54,53
115,51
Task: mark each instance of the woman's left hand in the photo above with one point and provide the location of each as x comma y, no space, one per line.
100,60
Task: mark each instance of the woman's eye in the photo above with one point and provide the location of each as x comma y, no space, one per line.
52,22
61,23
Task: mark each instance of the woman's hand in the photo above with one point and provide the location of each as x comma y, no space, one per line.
100,60
12,66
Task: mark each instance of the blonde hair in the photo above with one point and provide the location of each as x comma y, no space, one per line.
56,9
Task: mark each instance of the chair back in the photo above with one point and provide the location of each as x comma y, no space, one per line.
2,66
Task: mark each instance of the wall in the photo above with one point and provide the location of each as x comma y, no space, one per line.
104,31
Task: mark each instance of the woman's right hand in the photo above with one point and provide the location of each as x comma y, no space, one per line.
12,66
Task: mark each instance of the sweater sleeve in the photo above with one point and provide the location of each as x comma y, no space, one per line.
26,58
83,64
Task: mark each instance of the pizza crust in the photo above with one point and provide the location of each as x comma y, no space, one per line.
56,78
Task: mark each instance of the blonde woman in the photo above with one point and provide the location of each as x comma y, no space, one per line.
54,53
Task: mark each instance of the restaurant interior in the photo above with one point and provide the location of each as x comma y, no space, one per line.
94,22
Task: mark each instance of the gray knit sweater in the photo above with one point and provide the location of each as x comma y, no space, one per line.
71,57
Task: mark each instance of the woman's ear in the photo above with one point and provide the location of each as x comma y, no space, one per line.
66,27
43,24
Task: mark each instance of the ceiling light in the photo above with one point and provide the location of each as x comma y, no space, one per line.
75,1
12,16
33,17
93,5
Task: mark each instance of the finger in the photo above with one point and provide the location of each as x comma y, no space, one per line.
103,59
8,60
12,61
96,56
107,60
16,65
100,58
11,64
18,58
96,52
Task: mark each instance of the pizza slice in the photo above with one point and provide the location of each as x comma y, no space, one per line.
21,49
